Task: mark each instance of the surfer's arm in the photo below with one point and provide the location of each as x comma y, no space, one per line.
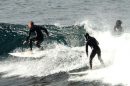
87,48
27,39
28,35
85,37
45,30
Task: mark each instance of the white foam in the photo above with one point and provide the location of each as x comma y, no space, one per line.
115,50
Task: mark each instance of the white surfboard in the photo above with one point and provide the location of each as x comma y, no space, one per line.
29,54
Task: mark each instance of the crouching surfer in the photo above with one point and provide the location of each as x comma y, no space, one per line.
38,38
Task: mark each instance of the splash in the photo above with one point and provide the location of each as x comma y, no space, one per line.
59,58
115,53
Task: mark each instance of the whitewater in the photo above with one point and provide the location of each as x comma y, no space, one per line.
63,61
65,64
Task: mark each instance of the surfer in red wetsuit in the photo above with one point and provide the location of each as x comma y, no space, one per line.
39,35
93,43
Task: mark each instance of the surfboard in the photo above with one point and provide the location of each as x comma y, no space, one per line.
29,54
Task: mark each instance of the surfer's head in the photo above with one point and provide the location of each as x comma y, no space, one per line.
87,36
118,22
30,24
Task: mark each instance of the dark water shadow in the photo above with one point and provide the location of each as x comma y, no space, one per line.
85,68
91,83
57,79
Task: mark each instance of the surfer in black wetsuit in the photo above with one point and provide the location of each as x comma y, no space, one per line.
39,35
93,43
118,27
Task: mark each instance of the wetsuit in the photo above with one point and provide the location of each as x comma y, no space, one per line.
93,43
39,35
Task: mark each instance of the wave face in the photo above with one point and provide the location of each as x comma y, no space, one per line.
13,35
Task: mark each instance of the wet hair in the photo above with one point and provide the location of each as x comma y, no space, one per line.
86,34
118,22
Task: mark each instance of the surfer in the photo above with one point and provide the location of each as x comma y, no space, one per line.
39,35
118,27
93,43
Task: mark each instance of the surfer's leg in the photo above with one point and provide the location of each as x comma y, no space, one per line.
99,57
31,41
91,57
38,44
39,41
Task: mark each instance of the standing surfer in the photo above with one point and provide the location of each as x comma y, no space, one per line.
38,38
93,43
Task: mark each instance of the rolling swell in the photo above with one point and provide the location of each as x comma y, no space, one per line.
13,35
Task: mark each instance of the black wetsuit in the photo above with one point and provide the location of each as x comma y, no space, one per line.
39,35
93,43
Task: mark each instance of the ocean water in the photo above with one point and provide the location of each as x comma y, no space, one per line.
64,61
